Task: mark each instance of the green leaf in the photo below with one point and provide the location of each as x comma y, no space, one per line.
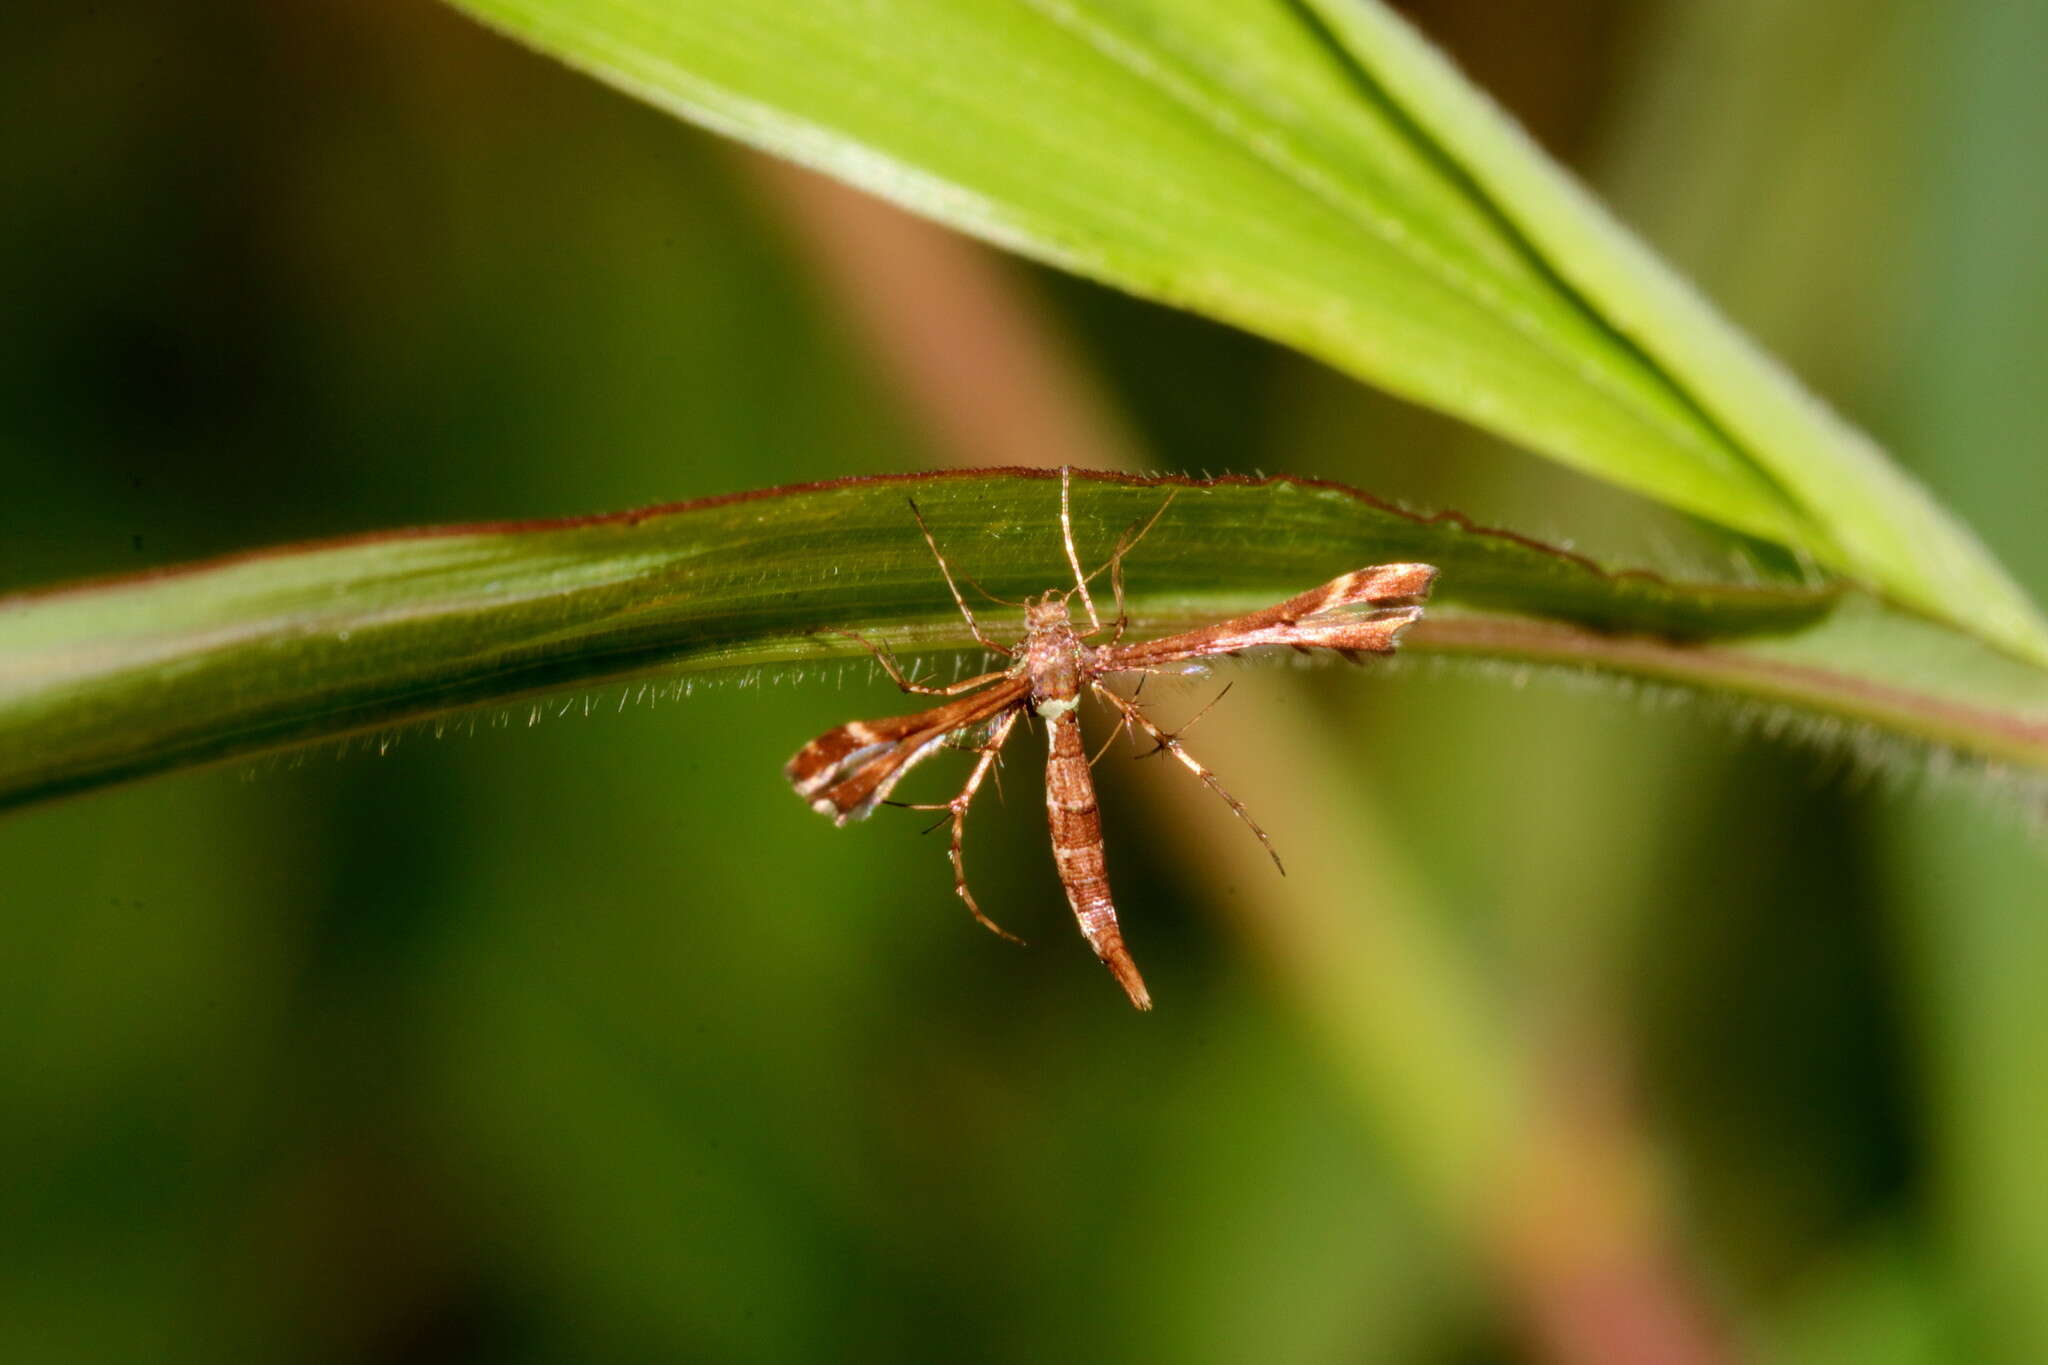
1313,171
110,680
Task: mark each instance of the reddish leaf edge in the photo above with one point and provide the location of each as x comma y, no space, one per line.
1815,592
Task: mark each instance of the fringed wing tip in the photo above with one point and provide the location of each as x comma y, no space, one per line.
1399,619
1389,585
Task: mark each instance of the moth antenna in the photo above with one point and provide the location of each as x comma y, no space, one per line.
1067,536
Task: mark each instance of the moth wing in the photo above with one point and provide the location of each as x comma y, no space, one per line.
1362,611
849,770
1381,586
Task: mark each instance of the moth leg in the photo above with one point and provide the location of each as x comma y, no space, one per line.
1116,573
1207,706
895,671
957,812
1121,723
1116,582
973,626
1125,543
1172,745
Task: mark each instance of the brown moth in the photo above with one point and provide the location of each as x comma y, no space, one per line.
846,772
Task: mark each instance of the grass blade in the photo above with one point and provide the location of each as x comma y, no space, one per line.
110,680
1316,173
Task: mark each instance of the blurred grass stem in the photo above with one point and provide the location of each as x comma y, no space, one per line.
1556,1198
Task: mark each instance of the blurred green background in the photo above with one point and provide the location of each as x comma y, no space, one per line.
584,1041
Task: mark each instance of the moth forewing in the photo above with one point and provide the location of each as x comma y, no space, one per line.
1364,611
1379,585
850,769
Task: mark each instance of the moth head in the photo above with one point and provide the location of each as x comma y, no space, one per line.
1047,612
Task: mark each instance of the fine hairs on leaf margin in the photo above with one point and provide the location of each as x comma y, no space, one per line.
1857,755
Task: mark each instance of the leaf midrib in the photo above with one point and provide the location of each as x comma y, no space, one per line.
1275,152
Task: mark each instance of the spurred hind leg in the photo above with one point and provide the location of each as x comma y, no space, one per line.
1172,745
